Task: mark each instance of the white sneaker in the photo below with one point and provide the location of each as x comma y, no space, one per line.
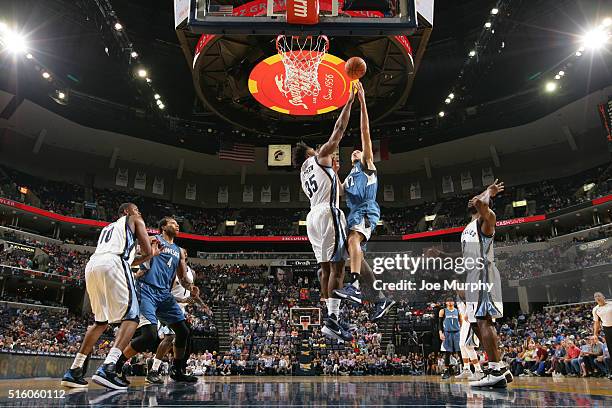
464,374
477,376
494,378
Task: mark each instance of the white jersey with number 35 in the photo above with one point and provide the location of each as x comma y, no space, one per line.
320,183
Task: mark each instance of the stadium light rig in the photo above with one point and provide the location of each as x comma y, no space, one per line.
550,87
12,41
597,38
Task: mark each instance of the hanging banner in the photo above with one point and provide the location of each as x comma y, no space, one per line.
266,194
487,176
284,195
122,177
223,195
158,186
191,191
388,193
415,190
466,181
247,194
140,181
447,184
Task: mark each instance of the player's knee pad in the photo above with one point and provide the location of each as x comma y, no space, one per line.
182,334
147,341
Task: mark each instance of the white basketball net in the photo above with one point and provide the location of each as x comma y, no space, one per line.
301,57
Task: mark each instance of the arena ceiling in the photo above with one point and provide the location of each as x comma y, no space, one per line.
530,41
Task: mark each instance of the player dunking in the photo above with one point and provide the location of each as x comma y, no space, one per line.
360,189
484,306
325,223
112,294
157,301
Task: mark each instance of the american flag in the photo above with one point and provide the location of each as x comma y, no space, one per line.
241,152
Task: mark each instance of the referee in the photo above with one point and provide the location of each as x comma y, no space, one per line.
602,316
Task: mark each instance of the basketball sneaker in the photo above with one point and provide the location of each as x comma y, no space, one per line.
107,376
153,378
493,379
178,375
74,378
346,325
332,329
349,292
465,373
476,376
381,308
448,373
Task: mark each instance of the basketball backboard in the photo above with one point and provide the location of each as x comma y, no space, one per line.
298,17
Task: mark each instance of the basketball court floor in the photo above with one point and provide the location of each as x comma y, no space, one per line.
315,391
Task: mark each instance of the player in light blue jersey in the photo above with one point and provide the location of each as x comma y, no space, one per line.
157,301
360,189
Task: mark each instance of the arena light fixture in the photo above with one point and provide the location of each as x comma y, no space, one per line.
472,53
148,80
494,10
561,73
118,26
441,114
46,75
134,54
29,56
451,95
557,77
488,24
447,101
158,102
162,106
142,73
578,53
156,96
607,22
596,38
61,95
551,87
14,42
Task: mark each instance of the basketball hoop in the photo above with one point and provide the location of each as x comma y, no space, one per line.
301,57
305,322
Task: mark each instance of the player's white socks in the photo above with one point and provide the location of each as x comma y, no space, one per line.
156,364
112,356
333,307
79,360
477,367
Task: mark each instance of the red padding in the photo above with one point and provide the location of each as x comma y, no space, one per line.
304,12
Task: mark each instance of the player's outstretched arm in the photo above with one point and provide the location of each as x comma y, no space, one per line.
481,203
148,249
366,140
341,124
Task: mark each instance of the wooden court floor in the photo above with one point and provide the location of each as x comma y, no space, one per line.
313,391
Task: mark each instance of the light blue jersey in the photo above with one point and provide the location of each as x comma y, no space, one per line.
162,268
451,320
360,188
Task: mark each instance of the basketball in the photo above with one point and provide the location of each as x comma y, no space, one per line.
355,67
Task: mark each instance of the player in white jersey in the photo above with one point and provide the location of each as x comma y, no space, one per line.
325,223
483,306
165,333
467,343
112,295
